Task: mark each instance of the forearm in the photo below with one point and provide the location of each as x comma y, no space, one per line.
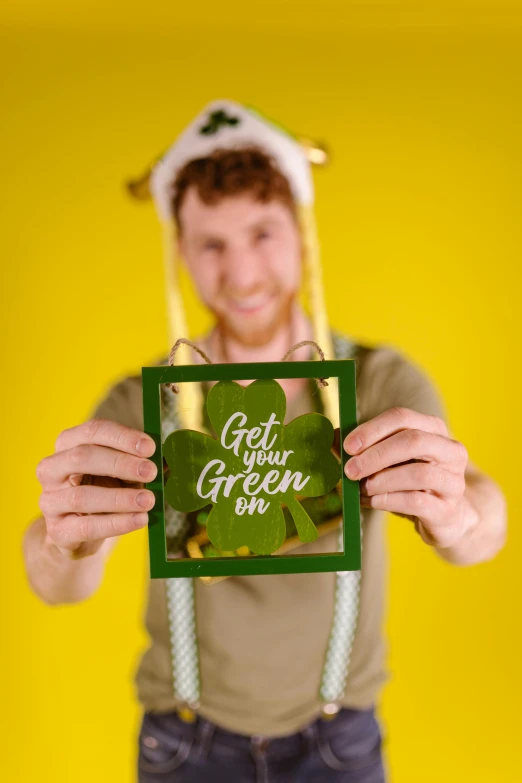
58,578
486,523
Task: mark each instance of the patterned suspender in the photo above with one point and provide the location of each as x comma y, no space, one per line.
181,606
346,607
180,592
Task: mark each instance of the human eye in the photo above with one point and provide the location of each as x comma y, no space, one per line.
212,246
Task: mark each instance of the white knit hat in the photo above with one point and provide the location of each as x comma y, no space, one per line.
228,125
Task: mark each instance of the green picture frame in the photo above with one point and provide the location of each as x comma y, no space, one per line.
348,560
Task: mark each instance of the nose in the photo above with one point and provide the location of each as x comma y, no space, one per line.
242,269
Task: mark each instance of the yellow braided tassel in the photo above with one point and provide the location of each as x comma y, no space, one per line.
190,398
316,301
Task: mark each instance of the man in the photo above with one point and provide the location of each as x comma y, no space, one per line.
261,640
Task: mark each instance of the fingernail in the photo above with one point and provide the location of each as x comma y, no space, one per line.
146,469
352,468
144,499
140,520
353,444
143,446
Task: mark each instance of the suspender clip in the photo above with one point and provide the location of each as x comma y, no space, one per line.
330,710
186,713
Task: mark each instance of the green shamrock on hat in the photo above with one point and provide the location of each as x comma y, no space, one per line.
218,119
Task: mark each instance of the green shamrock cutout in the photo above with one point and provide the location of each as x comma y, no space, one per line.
255,465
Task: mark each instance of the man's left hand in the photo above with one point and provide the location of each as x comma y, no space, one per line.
407,463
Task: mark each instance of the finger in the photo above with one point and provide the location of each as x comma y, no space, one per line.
94,500
104,432
416,475
418,504
404,446
71,530
434,514
56,470
388,423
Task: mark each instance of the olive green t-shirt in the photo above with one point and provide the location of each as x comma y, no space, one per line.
262,639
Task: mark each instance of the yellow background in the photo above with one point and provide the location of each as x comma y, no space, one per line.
419,216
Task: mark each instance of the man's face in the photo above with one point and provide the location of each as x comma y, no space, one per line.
245,259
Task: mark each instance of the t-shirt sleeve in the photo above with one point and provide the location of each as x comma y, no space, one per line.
388,379
123,404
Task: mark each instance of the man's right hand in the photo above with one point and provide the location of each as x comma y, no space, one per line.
92,485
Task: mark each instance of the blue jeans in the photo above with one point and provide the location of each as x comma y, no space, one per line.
346,749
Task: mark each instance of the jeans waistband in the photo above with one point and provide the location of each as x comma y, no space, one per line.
204,733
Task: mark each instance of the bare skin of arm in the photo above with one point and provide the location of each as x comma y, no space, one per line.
92,493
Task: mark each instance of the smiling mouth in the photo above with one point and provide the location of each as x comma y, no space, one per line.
250,304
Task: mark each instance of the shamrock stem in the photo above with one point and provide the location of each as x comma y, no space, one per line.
306,529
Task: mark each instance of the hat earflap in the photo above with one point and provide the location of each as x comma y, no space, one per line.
190,397
317,306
